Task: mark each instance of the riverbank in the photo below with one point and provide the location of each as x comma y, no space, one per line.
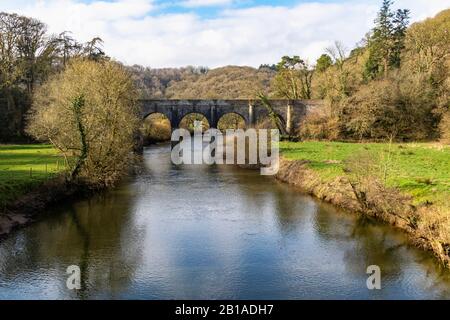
405,185
27,207
30,182
25,167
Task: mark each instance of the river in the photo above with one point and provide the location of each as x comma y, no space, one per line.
211,232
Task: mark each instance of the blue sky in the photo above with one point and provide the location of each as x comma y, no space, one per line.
214,33
212,10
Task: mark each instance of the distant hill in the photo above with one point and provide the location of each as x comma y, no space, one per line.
231,82
153,83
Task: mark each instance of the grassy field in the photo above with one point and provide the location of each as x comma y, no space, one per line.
419,169
23,167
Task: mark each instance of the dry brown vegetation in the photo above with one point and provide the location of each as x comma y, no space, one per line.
28,56
88,113
428,225
362,190
155,128
409,101
444,127
230,82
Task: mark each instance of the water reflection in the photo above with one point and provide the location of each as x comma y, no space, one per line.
211,232
83,235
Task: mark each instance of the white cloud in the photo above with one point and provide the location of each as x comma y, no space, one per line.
135,33
205,3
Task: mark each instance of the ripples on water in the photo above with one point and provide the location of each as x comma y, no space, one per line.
211,232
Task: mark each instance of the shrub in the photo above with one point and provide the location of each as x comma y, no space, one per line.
444,127
320,124
88,113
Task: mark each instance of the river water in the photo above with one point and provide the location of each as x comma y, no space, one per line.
211,232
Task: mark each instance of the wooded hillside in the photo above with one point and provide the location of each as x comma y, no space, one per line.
231,82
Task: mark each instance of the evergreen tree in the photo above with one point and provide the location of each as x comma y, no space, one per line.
387,40
323,63
293,79
401,22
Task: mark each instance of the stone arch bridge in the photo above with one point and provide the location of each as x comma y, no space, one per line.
292,111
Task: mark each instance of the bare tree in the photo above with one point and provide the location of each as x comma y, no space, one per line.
338,53
88,113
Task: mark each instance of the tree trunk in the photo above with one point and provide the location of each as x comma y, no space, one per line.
78,105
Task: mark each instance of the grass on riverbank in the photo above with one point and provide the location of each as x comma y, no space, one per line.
421,170
24,167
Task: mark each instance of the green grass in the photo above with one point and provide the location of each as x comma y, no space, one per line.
419,169
23,167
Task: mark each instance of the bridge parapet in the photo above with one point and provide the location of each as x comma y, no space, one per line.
292,111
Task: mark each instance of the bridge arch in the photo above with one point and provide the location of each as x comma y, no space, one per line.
186,121
156,127
292,111
165,113
232,120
